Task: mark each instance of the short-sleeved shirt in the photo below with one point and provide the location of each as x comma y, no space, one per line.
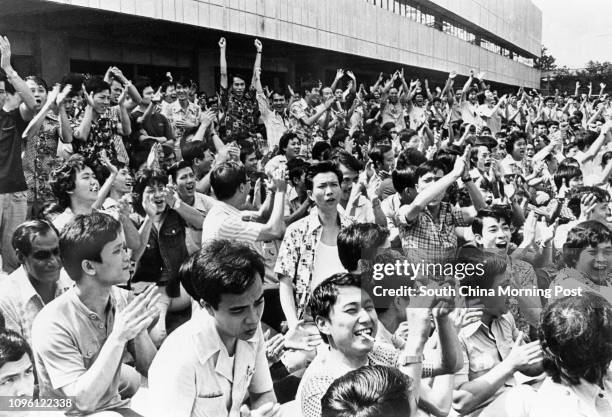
193,375
11,171
174,112
298,111
486,347
193,236
297,253
430,240
225,222
394,113
322,372
276,123
20,303
469,113
66,340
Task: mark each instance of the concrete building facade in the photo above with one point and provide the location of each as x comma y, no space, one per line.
303,39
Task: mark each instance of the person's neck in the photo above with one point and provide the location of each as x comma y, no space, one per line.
351,361
390,320
93,295
116,194
228,341
143,106
434,209
79,206
184,102
344,202
487,318
328,218
187,199
46,290
237,201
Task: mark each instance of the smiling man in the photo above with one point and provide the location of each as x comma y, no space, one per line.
209,365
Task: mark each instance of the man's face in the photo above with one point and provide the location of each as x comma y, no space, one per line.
327,94
101,101
147,95
325,190
601,212
17,378
418,99
518,152
550,104
349,178
182,91
426,181
352,316
115,266
313,97
238,86
43,263
529,150
239,315
205,164
86,185
388,161
484,159
495,236
338,94
497,305
39,93
293,148
393,95
595,261
472,97
185,182
124,181
170,94
250,163
156,193
278,102
116,90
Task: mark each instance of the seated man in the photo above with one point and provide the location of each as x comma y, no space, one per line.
373,391
575,334
37,281
79,338
493,347
345,316
210,364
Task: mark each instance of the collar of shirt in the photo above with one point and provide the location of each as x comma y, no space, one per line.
207,343
91,314
314,223
585,399
227,209
27,291
472,328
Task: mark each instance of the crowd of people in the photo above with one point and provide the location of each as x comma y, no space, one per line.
169,253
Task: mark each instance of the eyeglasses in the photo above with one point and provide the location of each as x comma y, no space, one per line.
41,255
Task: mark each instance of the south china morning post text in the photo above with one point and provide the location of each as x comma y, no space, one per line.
403,278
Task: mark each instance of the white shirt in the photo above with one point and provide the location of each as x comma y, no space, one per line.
326,263
193,237
193,375
360,209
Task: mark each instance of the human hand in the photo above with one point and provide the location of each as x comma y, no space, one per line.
339,73
462,163
302,338
105,161
463,317
207,117
170,194
275,346
350,74
63,95
222,43
401,334
529,230
258,45
137,316
523,354
480,76
266,410
5,51
587,205
157,96
452,74
52,95
279,182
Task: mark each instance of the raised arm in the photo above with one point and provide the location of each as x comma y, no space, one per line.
34,126
337,78
16,81
223,63
257,64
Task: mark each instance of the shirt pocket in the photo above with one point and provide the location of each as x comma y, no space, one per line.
209,407
90,353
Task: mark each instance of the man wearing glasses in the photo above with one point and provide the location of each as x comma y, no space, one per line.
37,281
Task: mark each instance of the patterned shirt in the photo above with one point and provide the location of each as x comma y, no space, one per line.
20,303
523,276
39,159
276,123
298,111
175,112
103,136
430,240
240,112
322,372
297,253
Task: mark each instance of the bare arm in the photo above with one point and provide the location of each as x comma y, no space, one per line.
257,65
16,81
223,63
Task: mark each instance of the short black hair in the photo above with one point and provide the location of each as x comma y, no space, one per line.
63,178
377,154
165,85
321,168
225,179
95,85
221,267
490,264
83,238
406,135
26,232
141,82
325,294
337,137
584,235
403,178
410,156
284,141
349,161
567,173
498,213
176,167
76,80
513,138
427,167
370,391
576,338
575,196
192,150
12,347
359,241
321,151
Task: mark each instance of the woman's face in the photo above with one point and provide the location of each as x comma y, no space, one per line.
185,182
39,93
101,101
156,193
124,181
86,185
595,261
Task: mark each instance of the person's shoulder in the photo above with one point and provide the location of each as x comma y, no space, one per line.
55,312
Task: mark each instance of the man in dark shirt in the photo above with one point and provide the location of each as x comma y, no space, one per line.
13,189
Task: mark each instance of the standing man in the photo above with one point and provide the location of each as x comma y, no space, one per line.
13,188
